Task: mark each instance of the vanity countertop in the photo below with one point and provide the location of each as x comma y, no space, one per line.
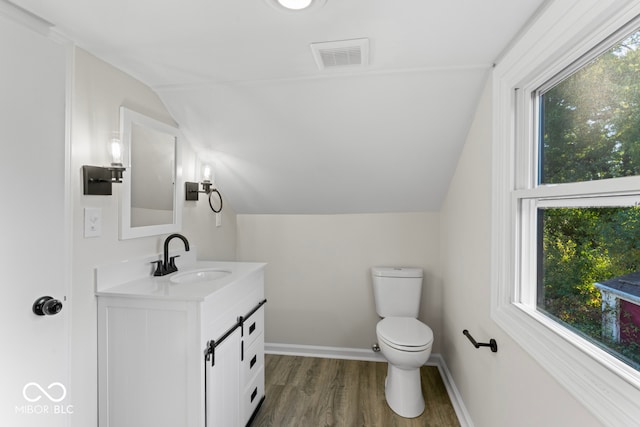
164,287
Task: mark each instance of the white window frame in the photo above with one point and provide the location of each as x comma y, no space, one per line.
562,33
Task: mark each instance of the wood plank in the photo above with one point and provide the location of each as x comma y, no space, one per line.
309,391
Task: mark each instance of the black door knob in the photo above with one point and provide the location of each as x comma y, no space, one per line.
47,306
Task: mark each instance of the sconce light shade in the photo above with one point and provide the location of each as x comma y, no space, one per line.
116,160
116,151
206,179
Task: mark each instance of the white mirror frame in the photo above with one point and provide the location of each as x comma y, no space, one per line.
127,119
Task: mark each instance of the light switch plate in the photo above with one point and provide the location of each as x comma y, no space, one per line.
92,222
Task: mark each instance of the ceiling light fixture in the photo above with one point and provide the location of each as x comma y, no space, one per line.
296,5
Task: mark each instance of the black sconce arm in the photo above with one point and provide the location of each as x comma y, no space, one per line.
192,193
97,180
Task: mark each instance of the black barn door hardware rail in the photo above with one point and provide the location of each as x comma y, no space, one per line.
210,350
491,344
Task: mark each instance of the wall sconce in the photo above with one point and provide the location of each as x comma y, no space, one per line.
97,180
192,192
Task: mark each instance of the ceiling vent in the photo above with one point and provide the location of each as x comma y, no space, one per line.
343,53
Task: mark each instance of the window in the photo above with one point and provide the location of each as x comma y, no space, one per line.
588,247
566,223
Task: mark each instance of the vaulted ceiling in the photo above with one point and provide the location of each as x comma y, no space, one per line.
285,136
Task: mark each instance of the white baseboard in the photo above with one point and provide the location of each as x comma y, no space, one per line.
454,394
369,355
326,352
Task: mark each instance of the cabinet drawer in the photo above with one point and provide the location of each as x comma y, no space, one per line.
253,326
253,359
252,395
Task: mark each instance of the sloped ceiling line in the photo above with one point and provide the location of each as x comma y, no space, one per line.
240,79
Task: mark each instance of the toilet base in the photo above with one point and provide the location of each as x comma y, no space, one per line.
404,392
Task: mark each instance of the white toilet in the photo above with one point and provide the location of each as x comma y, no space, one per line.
404,341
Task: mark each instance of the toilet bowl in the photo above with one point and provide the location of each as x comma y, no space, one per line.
405,342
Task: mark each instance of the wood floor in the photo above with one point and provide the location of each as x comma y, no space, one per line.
315,392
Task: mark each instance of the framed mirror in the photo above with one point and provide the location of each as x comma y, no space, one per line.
151,195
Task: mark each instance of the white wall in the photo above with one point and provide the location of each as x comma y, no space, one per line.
318,283
506,388
99,91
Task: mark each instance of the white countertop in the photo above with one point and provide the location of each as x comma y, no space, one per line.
163,288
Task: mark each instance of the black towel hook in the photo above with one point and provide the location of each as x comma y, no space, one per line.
491,344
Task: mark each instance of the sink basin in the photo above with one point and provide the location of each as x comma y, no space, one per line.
197,276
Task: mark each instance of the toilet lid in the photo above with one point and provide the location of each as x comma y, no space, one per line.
404,332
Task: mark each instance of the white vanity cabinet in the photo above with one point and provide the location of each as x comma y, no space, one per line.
164,348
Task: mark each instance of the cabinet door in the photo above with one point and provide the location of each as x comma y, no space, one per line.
145,364
223,384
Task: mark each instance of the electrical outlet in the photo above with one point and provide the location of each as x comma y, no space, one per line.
218,219
92,222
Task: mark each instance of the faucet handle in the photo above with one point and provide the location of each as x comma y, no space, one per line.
159,268
172,264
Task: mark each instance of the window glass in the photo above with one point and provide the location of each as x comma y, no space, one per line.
588,255
588,275
590,121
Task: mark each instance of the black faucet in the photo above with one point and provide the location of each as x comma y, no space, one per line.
168,265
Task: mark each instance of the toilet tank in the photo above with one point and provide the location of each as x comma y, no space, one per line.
397,291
